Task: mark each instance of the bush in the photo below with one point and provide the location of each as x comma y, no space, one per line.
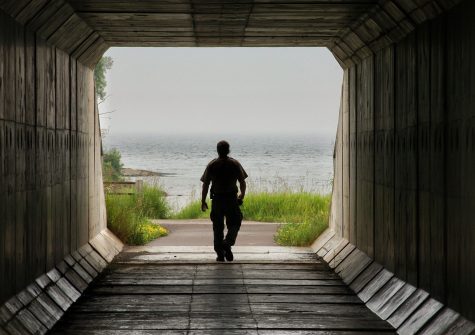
112,165
128,215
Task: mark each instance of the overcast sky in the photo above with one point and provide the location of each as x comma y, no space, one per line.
222,90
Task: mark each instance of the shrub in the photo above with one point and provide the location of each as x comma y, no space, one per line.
112,165
128,215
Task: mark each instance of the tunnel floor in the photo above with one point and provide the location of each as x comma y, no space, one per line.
176,290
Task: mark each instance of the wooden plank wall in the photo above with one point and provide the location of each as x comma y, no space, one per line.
460,163
345,143
437,143
82,186
411,160
365,155
384,158
423,159
352,129
3,137
405,160
48,157
336,219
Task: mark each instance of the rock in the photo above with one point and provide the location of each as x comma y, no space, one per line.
128,172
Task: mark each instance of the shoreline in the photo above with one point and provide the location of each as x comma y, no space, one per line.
131,172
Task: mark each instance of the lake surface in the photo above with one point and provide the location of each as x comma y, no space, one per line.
273,162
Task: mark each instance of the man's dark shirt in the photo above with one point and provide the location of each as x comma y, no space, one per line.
223,173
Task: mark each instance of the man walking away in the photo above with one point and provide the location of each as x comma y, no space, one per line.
223,173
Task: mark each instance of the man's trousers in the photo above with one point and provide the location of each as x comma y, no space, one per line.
225,207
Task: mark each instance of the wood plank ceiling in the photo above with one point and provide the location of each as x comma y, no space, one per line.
211,23
351,29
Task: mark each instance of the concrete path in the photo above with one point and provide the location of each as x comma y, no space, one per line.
200,233
180,291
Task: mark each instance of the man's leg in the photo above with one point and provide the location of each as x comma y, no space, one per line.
233,223
217,216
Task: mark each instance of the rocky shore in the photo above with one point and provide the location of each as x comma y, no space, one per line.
129,172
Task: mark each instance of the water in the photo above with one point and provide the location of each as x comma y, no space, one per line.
273,162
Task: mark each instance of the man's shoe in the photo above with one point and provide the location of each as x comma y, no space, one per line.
228,253
220,254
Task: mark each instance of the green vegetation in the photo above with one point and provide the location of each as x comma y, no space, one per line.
128,215
102,67
305,214
112,165
153,202
191,211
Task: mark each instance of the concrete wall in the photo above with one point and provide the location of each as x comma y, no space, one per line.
51,199
405,163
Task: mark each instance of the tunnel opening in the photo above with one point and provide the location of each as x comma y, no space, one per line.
167,109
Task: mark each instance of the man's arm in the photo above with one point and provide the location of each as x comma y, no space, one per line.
206,179
242,175
242,188
204,194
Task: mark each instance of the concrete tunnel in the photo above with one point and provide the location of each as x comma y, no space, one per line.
404,182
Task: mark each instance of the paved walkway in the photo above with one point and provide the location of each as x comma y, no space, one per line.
200,233
267,290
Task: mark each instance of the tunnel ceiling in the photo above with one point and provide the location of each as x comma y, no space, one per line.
351,29
211,23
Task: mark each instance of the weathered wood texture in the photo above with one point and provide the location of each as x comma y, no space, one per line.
406,124
56,23
198,297
352,29
411,133
336,219
388,23
365,155
44,201
460,158
384,158
220,23
353,151
409,309
41,304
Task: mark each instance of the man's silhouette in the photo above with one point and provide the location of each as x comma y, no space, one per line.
223,173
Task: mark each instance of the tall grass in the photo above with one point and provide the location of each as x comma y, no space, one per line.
153,202
128,215
305,214
191,211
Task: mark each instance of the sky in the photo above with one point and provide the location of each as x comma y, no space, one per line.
222,91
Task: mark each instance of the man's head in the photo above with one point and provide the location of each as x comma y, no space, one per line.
223,148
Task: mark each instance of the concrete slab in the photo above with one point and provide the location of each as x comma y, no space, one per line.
206,254
200,233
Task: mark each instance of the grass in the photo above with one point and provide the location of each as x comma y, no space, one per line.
128,216
191,211
305,214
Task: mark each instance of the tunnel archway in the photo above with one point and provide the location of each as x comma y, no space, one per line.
403,171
